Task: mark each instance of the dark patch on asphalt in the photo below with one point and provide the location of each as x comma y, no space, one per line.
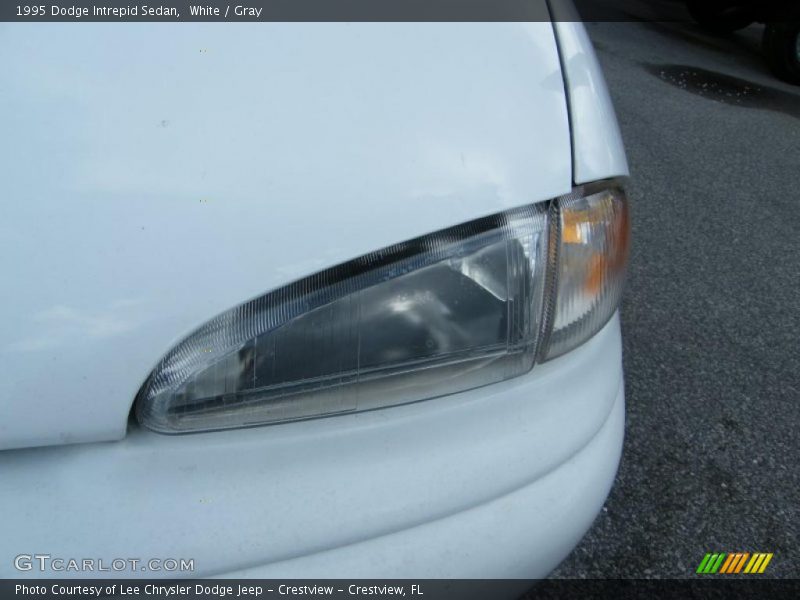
727,89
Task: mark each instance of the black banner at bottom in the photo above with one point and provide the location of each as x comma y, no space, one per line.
422,589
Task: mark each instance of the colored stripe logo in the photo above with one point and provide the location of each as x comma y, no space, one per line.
734,562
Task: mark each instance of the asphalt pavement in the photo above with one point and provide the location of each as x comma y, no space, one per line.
711,317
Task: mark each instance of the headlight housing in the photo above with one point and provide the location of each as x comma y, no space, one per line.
464,307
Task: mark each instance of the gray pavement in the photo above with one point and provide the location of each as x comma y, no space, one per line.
711,319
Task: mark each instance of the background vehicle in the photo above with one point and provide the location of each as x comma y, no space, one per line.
781,41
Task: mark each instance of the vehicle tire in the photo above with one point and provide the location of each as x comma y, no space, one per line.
720,16
781,44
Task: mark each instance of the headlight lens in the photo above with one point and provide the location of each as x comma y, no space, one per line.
462,308
436,315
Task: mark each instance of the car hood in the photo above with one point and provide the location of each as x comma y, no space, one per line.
154,176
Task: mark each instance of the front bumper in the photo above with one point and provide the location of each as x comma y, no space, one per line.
523,534
498,482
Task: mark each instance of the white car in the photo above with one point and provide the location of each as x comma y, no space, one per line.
369,272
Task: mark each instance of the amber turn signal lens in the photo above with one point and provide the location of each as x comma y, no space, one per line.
592,255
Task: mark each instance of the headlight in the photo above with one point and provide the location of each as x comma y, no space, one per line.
465,307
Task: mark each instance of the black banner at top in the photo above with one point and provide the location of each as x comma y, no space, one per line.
380,10
275,10
374,10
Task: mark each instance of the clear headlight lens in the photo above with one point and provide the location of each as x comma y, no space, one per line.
436,315
462,308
